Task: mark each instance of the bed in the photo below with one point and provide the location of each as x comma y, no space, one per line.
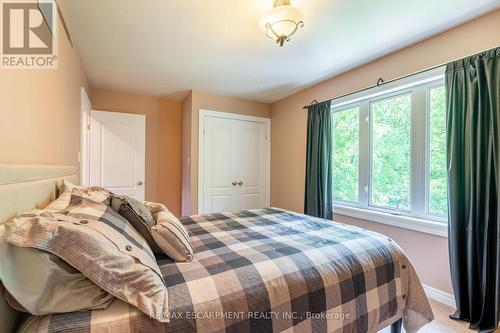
23,188
267,270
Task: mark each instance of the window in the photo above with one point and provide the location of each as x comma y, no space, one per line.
389,153
438,200
346,152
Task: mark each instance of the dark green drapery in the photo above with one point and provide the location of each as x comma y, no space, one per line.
318,191
473,161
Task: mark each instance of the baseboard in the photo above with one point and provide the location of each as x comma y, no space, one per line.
439,296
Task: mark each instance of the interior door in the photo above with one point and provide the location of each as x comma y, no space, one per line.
251,172
219,165
117,147
233,163
86,107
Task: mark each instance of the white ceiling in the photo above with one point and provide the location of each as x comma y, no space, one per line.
166,47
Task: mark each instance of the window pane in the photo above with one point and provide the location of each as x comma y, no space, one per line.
346,155
438,201
391,152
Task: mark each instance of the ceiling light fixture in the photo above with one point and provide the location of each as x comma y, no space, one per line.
281,22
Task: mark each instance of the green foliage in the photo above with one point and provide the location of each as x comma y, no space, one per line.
391,152
346,155
438,201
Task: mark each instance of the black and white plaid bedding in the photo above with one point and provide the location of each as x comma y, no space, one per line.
271,270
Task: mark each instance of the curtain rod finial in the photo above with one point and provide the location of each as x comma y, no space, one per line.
312,103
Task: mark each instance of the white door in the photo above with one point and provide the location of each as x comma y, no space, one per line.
219,165
117,152
250,172
234,162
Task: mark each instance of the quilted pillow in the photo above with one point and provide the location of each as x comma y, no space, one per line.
100,244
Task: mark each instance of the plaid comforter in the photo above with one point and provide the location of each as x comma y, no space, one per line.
271,270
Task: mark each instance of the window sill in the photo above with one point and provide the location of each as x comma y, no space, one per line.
400,221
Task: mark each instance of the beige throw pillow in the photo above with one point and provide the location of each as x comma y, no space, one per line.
169,234
95,193
61,202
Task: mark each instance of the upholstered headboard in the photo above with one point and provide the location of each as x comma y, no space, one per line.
23,188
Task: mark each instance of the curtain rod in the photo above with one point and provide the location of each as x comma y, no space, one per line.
381,81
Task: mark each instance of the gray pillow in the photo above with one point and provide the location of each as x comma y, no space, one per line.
46,284
138,215
41,283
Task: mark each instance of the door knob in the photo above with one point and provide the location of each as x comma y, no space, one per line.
234,183
240,183
140,183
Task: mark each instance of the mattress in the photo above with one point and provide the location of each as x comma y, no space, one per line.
271,270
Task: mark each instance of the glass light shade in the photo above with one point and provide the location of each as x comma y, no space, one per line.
282,19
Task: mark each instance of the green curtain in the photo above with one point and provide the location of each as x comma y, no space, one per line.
318,191
473,161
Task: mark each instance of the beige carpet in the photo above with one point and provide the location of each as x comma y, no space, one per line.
441,323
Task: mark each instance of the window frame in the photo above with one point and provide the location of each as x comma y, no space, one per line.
418,217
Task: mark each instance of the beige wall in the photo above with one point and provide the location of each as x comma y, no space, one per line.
163,141
195,101
288,145
40,111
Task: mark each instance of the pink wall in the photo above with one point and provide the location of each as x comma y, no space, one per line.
288,132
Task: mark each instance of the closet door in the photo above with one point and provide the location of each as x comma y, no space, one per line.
234,161
251,155
219,165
